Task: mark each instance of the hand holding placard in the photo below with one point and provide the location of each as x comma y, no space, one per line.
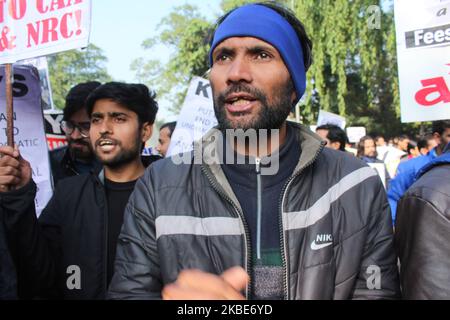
15,171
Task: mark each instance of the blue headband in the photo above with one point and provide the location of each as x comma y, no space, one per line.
266,24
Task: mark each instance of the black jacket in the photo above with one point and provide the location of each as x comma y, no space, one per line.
8,277
334,220
422,236
63,166
71,232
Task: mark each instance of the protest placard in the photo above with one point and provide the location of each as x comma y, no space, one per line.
423,51
354,134
381,170
56,138
46,90
326,117
31,29
28,128
195,119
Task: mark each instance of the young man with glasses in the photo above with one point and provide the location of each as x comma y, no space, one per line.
77,157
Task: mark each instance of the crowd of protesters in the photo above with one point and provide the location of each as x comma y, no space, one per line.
393,154
123,227
418,191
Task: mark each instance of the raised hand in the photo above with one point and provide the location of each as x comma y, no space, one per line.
199,285
15,171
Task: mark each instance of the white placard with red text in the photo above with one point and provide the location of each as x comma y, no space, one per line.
32,28
423,49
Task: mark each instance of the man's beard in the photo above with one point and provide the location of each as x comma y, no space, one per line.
80,154
269,116
124,157
372,155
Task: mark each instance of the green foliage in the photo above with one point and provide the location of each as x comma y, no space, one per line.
71,67
228,5
354,71
185,31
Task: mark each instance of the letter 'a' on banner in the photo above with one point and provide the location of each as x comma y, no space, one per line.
423,50
30,29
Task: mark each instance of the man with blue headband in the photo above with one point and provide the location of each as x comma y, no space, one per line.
293,220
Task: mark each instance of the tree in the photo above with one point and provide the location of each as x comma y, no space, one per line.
354,72
185,31
72,67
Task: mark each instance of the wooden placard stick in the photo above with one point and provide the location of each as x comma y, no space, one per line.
9,104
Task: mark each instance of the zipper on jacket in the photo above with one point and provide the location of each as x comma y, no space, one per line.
105,244
248,262
280,216
258,208
73,170
106,219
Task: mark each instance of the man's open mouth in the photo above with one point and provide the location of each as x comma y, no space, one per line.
239,102
106,144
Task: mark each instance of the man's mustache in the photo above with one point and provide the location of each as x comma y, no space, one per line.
78,141
257,94
114,141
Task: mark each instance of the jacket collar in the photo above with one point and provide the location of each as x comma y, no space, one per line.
206,149
99,171
101,176
311,145
442,159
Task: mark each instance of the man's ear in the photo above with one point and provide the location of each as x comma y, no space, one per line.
437,138
336,145
146,131
293,96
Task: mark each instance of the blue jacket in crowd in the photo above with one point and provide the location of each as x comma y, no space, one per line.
406,176
443,159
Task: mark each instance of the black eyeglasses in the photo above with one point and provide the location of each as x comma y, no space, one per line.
83,127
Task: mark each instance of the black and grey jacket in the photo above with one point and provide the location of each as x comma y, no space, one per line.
422,234
336,231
